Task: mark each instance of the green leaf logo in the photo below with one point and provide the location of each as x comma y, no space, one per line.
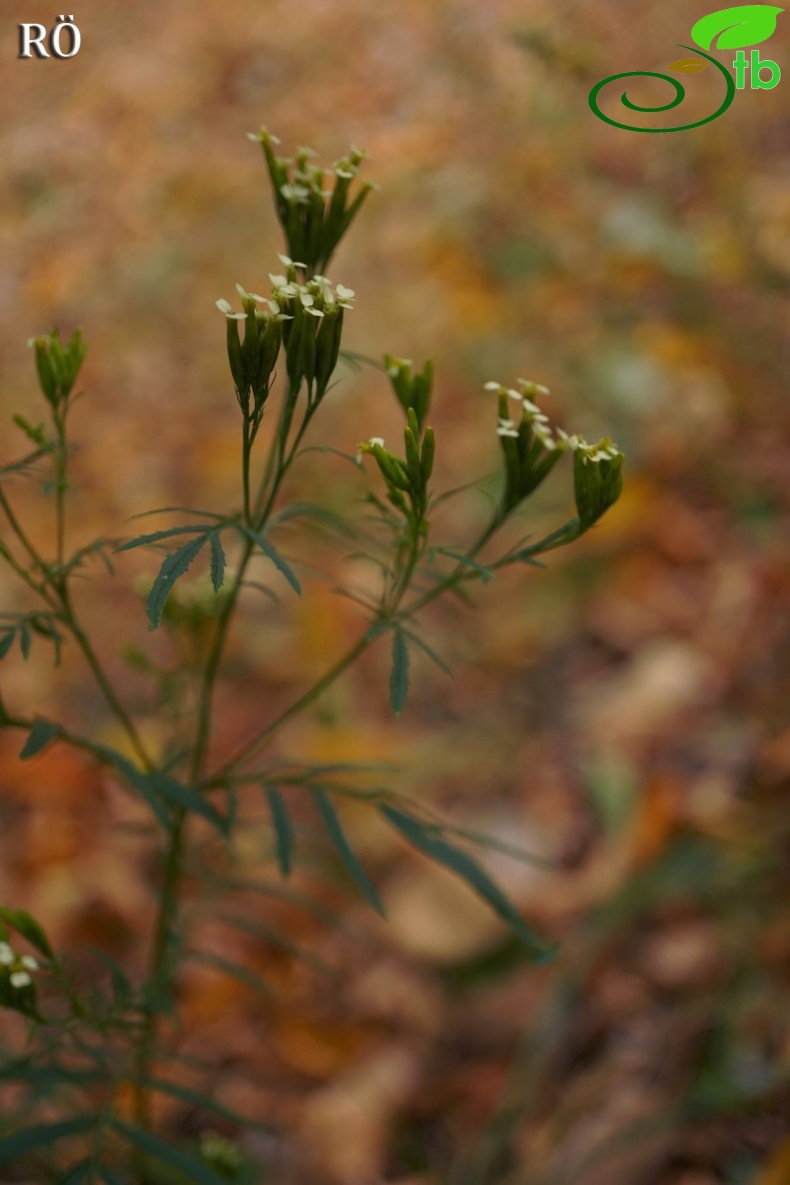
747,24
688,65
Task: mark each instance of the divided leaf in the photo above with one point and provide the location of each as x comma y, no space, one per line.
274,555
40,735
173,567
282,829
428,841
347,855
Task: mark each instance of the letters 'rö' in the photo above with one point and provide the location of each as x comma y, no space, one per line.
31,38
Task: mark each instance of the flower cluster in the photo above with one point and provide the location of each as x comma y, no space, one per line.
531,447
314,218
413,391
252,360
58,364
312,315
16,967
407,477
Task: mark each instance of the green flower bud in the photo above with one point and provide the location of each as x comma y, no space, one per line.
597,480
58,365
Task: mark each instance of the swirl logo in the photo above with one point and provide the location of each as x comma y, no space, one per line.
730,28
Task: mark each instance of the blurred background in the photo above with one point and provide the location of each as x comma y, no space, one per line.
621,715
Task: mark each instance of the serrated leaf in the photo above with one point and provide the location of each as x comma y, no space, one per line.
399,676
217,562
26,925
347,855
197,1171
40,735
746,24
41,1135
688,65
282,829
137,778
278,561
172,569
427,840
186,797
142,540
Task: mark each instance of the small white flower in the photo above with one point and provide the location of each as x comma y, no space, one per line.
514,394
347,172
263,135
314,312
345,293
544,435
506,428
492,386
253,295
377,440
278,281
295,193
7,955
286,261
306,299
20,979
531,388
224,307
29,962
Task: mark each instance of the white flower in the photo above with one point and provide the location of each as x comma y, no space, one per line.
224,307
530,388
543,433
306,299
7,955
295,193
345,293
287,262
572,442
278,281
252,295
20,979
263,135
492,386
506,428
29,962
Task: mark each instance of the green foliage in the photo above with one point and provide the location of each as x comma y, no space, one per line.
97,1032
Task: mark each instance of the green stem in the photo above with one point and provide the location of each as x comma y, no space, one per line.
168,897
61,462
246,448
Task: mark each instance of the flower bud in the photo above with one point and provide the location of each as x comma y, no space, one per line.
413,391
57,364
597,480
